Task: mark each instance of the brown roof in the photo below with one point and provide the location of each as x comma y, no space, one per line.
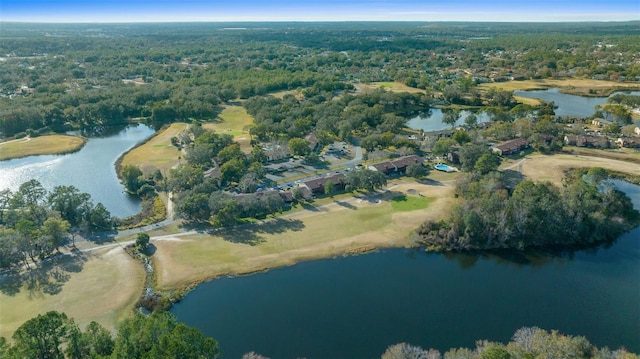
318,183
512,145
397,164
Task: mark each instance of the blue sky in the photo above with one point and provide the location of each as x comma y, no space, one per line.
317,10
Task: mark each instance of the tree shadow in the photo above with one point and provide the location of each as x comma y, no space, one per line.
512,178
101,237
430,182
251,234
150,250
346,205
48,277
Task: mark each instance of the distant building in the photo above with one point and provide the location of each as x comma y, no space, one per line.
628,142
510,147
586,141
637,131
600,122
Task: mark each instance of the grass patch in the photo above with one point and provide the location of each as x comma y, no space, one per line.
157,153
581,87
102,286
390,86
236,121
410,203
42,145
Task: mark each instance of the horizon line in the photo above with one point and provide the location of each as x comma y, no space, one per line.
307,21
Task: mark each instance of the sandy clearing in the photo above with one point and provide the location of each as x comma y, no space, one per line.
102,286
552,168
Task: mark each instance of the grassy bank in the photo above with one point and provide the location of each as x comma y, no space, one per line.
581,87
102,286
42,145
358,225
157,153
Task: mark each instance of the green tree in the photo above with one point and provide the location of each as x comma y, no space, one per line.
55,230
131,178
329,188
142,240
486,163
299,146
161,336
470,154
417,170
232,170
99,218
495,352
450,117
461,136
443,146
70,203
43,336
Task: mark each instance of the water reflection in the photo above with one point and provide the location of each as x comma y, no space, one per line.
91,169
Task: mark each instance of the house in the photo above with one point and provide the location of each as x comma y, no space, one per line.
399,165
628,142
510,147
213,173
454,157
313,141
586,141
600,122
276,152
316,185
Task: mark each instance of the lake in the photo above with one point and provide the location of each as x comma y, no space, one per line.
433,120
91,169
568,105
354,307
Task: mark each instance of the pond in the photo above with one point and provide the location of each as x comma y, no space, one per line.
91,169
432,121
355,307
568,105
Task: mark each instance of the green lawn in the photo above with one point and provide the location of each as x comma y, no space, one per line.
410,203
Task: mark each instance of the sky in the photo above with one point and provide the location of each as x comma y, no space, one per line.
91,11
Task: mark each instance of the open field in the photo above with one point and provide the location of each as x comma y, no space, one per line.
99,286
580,87
157,153
391,86
42,145
358,225
551,168
236,121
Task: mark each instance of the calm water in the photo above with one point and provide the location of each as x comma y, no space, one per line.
433,121
568,105
355,307
91,170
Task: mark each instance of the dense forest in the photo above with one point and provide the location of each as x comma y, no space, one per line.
34,222
495,214
56,77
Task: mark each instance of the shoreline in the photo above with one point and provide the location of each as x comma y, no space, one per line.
42,146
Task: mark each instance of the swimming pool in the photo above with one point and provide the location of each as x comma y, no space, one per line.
445,168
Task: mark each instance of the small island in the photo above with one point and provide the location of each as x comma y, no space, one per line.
42,145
